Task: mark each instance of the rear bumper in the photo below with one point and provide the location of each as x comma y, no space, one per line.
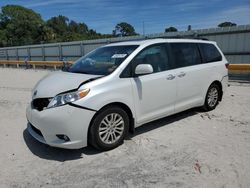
67,120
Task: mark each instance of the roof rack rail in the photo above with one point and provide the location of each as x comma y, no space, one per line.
166,37
187,37
201,38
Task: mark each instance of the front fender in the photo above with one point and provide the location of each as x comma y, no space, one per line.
116,91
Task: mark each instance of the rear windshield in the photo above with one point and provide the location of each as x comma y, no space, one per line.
210,53
102,61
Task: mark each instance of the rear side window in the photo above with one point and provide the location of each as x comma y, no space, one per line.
210,53
185,54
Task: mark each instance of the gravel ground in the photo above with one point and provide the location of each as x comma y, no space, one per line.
190,149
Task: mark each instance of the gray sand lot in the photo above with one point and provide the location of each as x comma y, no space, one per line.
190,149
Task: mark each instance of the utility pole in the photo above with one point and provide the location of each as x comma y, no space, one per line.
143,28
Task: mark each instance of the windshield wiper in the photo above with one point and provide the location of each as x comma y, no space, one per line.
81,72
66,66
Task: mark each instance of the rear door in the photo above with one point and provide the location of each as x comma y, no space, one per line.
191,75
154,94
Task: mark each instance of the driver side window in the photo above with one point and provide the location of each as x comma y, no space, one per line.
155,55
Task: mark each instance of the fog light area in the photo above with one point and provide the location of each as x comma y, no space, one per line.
63,137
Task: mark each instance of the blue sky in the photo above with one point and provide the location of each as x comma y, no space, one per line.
103,15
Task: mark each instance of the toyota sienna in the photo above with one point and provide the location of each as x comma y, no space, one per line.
118,87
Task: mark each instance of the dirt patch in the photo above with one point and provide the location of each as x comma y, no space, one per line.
190,149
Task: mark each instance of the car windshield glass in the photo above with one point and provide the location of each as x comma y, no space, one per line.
102,61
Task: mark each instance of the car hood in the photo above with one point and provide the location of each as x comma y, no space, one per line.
56,83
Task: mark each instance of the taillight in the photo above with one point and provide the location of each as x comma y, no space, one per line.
227,65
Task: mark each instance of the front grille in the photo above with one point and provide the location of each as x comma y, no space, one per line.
37,131
40,103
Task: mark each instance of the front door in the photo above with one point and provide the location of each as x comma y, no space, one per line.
154,94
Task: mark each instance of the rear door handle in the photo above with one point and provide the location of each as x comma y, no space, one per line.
182,74
170,77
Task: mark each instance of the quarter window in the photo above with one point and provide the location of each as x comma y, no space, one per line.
185,54
210,53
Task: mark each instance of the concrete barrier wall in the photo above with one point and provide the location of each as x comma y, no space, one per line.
234,42
235,71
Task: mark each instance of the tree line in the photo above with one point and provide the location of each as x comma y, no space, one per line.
23,26
223,24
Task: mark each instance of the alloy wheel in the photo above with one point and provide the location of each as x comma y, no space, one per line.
213,96
111,128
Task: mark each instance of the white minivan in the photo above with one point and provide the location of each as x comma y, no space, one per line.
118,87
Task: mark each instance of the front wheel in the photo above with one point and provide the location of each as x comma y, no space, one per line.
109,128
212,97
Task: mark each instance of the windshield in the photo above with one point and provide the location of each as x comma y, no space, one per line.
102,61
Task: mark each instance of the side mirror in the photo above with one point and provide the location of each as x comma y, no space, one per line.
143,69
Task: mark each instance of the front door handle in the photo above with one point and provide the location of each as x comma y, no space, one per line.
182,74
170,77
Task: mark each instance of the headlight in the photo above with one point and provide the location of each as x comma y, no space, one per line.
66,98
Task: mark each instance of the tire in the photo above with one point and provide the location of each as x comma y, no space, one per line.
109,128
212,97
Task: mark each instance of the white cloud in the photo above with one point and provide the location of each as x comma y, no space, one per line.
103,14
239,15
46,3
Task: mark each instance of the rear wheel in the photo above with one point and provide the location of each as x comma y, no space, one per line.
109,128
212,97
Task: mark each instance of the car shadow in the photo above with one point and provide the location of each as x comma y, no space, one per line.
50,153
165,121
58,154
